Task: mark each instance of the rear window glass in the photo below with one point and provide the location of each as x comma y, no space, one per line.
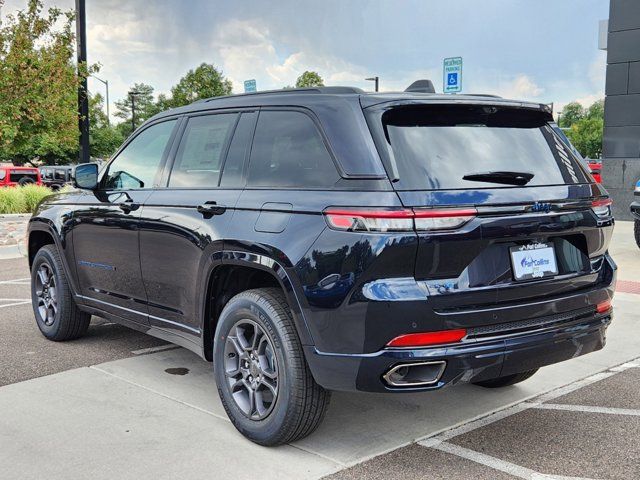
461,146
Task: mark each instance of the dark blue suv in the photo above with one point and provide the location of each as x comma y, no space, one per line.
327,239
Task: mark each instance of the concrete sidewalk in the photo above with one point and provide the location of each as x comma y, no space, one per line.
130,418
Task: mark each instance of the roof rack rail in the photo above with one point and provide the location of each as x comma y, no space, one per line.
334,90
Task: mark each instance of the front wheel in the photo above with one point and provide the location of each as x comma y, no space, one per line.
506,380
263,379
636,231
57,315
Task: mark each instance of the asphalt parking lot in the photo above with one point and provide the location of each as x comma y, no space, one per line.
108,406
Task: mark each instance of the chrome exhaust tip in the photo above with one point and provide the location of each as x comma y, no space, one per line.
417,374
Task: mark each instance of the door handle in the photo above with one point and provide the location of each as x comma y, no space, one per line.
208,209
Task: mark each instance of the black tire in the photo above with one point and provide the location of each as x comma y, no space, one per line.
636,231
26,181
506,380
66,321
300,403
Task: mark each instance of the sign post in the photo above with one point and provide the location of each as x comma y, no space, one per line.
452,75
250,86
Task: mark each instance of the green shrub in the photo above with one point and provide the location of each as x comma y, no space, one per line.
21,199
32,195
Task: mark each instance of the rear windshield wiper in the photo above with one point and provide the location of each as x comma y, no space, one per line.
506,178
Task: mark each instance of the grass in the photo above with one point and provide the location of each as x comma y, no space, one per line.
22,199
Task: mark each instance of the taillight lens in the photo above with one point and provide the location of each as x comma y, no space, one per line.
443,219
426,339
365,220
602,207
399,220
637,189
603,307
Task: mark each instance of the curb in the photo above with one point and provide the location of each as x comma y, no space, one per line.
13,216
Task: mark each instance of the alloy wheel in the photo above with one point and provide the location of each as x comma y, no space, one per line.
251,369
46,292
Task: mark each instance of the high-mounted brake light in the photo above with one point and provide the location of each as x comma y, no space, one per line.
399,220
602,207
428,338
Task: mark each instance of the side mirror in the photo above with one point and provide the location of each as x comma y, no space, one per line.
86,176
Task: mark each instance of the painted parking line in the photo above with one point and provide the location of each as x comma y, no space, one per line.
17,281
439,441
588,409
25,302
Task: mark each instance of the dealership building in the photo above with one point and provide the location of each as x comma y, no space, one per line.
621,142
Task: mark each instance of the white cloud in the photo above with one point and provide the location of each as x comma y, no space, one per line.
247,49
518,87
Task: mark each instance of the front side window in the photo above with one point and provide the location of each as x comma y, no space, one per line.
201,151
137,165
288,151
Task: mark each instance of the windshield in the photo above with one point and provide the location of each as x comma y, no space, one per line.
461,146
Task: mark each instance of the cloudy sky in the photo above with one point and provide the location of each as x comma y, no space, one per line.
543,50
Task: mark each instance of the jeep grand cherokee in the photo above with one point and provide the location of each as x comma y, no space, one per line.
326,239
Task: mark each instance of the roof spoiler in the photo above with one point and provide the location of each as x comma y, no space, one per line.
421,86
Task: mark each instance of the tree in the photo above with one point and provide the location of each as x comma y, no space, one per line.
309,79
38,86
104,139
205,81
571,113
144,105
584,128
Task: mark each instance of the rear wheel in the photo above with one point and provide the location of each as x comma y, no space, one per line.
636,231
57,315
506,380
263,379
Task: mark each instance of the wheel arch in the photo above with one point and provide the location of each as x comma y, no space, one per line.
240,271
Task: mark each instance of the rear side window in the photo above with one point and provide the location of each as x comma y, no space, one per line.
288,151
460,146
201,150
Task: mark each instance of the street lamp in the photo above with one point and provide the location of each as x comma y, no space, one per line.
374,79
106,84
132,94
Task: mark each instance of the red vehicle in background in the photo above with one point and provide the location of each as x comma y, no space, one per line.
12,176
595,166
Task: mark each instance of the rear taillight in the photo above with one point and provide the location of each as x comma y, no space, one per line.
637,189
426,339
602,207
443,219
398,220
369,220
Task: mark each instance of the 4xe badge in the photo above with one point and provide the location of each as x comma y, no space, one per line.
541,207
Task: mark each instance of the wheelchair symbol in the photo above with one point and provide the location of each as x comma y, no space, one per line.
452,78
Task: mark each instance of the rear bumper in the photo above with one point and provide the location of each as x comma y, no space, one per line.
465,362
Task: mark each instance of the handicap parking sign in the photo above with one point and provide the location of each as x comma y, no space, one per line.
452,75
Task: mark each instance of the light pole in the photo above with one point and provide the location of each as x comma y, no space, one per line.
374,79
133,94
83,100
106,84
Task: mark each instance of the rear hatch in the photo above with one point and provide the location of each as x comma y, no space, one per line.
505,213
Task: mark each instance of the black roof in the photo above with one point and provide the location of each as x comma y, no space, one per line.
317,95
